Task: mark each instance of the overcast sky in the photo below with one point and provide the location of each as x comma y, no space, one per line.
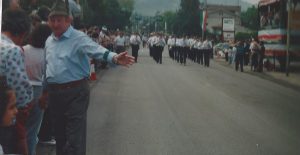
252,1
149,7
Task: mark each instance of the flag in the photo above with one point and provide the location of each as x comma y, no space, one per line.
203,20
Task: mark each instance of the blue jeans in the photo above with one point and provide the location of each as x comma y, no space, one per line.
34,121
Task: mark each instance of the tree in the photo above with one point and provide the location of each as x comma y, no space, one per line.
108,12
188,18
169,17
250,19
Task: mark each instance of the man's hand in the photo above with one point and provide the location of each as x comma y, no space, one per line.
123,59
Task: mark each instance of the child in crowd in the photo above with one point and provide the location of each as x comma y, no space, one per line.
8,109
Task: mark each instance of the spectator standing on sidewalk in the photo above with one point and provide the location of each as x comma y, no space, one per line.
67,54
34,55
254,47
15,25
239,58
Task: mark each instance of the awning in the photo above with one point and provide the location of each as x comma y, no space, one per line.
266,2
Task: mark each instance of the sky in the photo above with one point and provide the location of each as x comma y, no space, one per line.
252,1
150,7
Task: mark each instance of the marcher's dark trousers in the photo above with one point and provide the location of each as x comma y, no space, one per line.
135,51
198,56
206,57
160,51
239,62
185,54
176,53
68,107
201,56
155,53
150,51
195,51
181,54
172,52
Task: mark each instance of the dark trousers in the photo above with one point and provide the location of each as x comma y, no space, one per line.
176,53
182,54
171,52
159,54
254,61
239,61
120,49
135,51
151,51
201,55
68,109
155,53
8,140
46,132
206,57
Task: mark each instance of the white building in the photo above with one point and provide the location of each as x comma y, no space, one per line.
217,12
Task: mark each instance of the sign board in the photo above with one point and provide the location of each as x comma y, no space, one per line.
228,24
228,36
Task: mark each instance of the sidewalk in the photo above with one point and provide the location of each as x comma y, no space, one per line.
292,81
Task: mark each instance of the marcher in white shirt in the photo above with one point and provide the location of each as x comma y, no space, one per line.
135,41
171,46
120,43
207,47
160,44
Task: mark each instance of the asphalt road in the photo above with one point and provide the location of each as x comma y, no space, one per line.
171,109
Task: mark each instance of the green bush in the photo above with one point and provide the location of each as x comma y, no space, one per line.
245,35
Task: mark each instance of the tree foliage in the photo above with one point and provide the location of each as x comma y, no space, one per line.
186,21
250,19
245,35
188,18
112,13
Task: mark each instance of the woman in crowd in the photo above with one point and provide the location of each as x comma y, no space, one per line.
34,55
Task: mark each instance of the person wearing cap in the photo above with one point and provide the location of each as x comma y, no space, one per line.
67,72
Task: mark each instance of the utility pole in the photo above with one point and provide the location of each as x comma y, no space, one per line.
204,10
166,27
288,38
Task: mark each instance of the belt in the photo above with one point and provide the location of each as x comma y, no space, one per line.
68,85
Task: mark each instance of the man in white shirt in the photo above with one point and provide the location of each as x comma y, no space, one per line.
120,43
200,52
160,44
135,41
171,46
207,46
